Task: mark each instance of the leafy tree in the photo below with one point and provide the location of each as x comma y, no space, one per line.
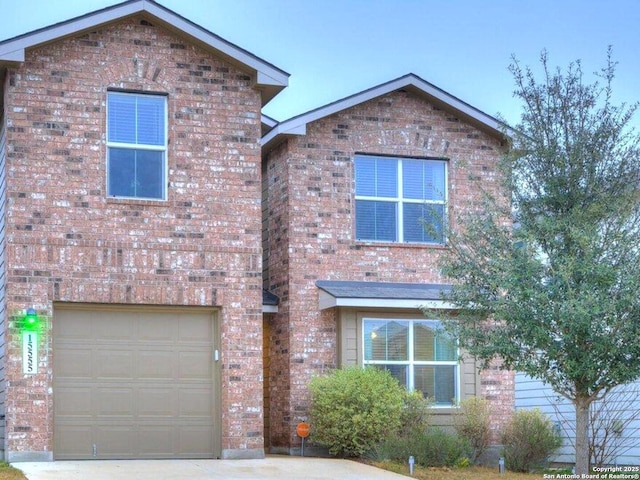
555,295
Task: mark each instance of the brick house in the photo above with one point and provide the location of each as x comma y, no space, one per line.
136,225
348,189
131,196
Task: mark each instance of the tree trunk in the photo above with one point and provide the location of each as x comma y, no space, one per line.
582,434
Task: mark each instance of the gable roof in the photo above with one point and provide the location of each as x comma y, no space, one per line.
269,79
298,125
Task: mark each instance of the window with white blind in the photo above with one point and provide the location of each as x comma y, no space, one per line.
136,145
400,199
419,353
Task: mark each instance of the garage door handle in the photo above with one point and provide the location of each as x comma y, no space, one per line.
216,355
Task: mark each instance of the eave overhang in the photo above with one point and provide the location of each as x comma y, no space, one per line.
298,125
268,79
334,293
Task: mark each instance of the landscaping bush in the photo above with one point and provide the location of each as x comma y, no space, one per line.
416,414
528,439
431,448
354,409
472,423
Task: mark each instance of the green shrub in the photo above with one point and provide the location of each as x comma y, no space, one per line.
438,448
472,423
354,409
416,414
528,439
431,448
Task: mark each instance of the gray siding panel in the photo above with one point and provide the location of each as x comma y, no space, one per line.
531,393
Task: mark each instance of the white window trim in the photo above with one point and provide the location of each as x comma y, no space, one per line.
138,146
411,363
399,200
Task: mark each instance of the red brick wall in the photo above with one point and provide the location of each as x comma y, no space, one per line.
311,193
498,387
68,242
3,270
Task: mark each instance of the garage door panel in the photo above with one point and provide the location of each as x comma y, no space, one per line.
197,331
194,440
159,328
113,401
157,402
74,362
156,364
195,365
113,364
135,384
114,441
156,440
76,326
110,326
76,438
73,402
194,403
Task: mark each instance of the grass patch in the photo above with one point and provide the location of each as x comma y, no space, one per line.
7,472
444,473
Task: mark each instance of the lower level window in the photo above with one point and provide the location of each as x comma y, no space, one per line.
419,353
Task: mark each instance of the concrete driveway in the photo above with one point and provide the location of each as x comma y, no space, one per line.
275,467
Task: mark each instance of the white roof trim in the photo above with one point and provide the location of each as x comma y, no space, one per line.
267,75
326,300
269,309
297,125
283,129
268,121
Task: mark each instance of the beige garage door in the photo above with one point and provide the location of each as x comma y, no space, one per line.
134,384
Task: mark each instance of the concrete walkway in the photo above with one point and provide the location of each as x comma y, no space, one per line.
274,467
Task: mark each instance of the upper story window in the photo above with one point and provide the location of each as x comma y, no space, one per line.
418,353
137,145
400,199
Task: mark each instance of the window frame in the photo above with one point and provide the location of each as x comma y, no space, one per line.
164,148
411,363
399,200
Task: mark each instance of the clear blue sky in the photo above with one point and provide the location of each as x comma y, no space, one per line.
334,48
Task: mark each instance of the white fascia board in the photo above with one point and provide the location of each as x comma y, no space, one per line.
269,309
16,56
268,121
327,300
266,73
64,29
457,104
297,125
273,77
284,129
